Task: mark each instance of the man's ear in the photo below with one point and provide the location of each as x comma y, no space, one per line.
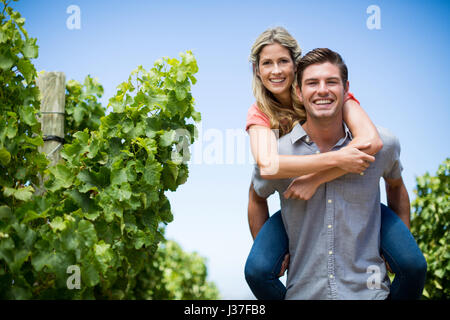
299,93
347,86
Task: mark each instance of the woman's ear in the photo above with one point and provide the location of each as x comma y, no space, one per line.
256,70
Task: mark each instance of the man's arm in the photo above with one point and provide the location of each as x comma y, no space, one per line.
304,187
258,211
398,199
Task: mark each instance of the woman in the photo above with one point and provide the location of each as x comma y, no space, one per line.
274,57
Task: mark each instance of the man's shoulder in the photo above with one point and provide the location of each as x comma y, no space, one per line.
390,153
390,140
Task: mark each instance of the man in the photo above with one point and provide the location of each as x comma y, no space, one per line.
334,236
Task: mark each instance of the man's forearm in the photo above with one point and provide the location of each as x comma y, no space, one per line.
398,201
258,212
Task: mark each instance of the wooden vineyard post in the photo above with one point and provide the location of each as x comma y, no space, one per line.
52,86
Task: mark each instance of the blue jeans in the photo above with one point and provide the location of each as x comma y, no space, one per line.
397,246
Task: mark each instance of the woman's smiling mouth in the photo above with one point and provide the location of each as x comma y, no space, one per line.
277,80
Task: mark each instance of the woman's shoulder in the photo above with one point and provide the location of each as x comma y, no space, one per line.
255,109
256,117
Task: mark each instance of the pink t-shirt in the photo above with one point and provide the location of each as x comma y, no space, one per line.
257,117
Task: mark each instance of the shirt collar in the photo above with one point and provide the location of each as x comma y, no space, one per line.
298,133
348,135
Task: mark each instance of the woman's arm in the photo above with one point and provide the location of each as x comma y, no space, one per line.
264,148
362,129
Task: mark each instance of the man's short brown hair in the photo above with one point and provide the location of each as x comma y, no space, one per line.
319,56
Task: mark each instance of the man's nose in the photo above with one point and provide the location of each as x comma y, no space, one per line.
323,88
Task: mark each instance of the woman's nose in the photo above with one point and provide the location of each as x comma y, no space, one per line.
276,69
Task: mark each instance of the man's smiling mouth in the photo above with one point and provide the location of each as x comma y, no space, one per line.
323,101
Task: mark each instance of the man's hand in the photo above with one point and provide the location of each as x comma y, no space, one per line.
352,159
284,265
302,188
388,267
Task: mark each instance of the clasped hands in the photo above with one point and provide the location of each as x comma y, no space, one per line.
350,159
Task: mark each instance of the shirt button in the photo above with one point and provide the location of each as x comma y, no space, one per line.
330,201
362,173
329,226
331,276
330,252
307,139
317,152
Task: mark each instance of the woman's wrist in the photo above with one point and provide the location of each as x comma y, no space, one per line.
336,158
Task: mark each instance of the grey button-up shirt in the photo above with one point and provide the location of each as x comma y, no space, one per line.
334,238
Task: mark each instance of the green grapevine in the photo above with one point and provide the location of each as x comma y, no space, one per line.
104,208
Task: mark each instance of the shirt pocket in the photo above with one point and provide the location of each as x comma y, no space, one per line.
357,188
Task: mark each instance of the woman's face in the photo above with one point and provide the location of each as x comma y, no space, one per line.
277,71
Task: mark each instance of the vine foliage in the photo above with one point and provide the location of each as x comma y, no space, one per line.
105,208
430,225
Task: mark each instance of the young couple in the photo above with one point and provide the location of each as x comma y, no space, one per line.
332,233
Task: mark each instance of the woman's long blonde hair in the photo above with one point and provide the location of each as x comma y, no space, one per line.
281,117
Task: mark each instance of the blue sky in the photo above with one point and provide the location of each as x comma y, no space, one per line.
399,73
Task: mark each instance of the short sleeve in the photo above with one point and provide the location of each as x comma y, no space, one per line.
262,187
256,116
352,97
391,146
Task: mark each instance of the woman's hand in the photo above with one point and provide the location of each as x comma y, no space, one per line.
302,188
352,159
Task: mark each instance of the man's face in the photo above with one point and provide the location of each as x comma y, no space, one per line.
322,91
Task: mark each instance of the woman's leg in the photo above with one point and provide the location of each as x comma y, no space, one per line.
403,255
264,261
